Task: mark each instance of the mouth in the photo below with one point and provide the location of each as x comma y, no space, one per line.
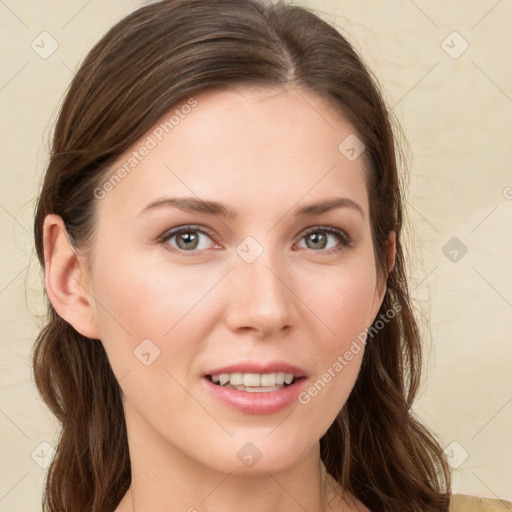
256,388
255,382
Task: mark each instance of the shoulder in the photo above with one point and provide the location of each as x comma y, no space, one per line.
463,503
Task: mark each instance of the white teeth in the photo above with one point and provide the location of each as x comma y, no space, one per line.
254,380
268,379
236,379
251,379
288,378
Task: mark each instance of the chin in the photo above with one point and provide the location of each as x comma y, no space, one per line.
259,456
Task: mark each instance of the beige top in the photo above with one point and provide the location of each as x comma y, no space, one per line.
458,502
463,503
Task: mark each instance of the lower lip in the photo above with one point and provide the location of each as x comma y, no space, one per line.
256,403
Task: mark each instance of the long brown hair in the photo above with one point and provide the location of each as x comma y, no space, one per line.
150,61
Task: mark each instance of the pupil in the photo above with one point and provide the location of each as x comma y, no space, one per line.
189,240
318,240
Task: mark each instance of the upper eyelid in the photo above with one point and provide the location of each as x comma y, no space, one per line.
170,233
329,229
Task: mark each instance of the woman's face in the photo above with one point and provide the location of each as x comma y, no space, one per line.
278,276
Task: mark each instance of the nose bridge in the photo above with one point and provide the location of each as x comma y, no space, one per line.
261,298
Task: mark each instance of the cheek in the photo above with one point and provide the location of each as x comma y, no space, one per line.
140,300
344,306
146,299
342,299
149,327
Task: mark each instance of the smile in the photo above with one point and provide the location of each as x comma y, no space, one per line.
253,382
266,393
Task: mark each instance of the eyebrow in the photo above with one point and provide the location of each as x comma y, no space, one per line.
194,204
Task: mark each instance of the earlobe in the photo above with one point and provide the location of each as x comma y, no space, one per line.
66,279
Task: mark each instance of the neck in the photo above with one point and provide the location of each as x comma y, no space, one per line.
165,479
303,487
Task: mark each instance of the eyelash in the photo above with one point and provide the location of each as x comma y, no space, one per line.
343,238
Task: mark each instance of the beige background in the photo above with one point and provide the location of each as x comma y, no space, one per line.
456,111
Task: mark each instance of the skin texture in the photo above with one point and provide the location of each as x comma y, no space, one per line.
264,153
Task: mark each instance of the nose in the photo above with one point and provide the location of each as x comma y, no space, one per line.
261,299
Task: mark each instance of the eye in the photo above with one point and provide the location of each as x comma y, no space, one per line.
325,239
187,239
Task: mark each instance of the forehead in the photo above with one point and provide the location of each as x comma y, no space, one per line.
240,144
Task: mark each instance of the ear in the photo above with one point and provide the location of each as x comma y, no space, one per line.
380,290
66,279
391,250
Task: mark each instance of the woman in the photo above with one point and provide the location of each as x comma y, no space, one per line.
220,229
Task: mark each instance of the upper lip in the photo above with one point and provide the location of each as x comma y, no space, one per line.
253,367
